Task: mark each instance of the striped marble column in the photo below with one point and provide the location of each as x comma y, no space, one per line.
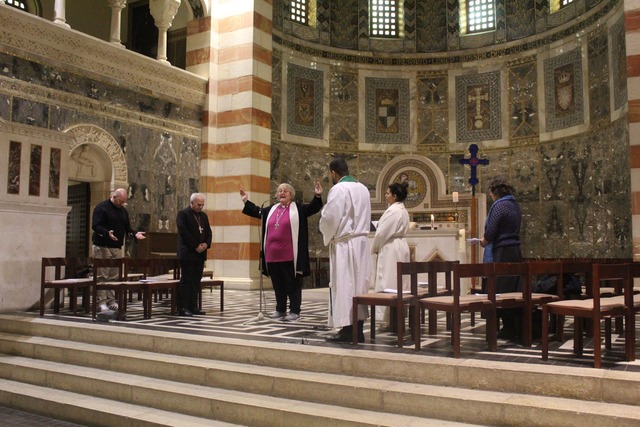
632,29
233,47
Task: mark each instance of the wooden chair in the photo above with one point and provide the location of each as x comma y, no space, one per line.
112,285
162,267
211,283
437,269
540,269
457,304
60,282
398,301
595,310
136,271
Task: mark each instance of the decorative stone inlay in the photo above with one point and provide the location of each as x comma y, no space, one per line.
387,111
478,107
619,63
304,101
89,134
563,90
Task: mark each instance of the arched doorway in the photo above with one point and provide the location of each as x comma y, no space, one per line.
96,167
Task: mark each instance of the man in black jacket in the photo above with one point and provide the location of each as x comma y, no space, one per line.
110,224
194,238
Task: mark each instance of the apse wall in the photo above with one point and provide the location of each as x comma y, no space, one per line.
544,97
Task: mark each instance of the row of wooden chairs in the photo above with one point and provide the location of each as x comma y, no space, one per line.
132,277
601,281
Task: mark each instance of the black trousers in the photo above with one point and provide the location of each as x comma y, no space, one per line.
511,317
286,284
189,286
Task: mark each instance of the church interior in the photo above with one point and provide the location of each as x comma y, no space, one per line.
165,98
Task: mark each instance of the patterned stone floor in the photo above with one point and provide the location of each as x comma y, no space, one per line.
241,319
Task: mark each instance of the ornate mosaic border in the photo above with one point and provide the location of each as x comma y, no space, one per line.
563,87
304,101
619,61
463,85
387,111
451,58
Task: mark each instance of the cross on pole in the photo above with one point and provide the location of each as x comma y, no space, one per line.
473,161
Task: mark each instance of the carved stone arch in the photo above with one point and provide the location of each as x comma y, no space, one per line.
427,188
93,135
198,8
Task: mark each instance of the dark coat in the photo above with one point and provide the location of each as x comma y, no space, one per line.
305,210
189,236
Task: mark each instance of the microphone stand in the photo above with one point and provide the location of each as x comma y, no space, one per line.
263,302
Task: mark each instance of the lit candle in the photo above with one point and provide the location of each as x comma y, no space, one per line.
455,197
432,221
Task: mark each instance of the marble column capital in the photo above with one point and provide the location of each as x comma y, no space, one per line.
120,4
163,12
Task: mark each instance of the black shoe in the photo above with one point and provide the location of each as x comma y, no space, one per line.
185,313
345,335
198,312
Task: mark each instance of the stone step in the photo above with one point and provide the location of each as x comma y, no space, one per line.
188,403
330,384
86,410
537,379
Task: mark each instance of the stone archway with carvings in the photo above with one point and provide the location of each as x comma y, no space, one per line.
90,134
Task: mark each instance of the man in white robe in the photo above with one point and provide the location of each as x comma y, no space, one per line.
345,224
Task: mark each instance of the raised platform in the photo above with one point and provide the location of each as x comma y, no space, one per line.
234,368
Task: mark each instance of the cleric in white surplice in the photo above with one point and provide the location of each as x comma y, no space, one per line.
345,223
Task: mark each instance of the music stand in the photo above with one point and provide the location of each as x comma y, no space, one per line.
260,316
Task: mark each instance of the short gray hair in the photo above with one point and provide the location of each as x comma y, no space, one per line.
195,196
289,188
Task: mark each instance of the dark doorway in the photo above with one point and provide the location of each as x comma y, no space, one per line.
78,199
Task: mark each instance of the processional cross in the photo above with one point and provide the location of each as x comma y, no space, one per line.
473,161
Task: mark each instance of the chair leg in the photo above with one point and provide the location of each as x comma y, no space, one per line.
373,322
578,343
455,334
354,322
400,326
597,349
544,335
607,333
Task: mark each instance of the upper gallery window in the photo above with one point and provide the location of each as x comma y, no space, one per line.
17,4
556,5
385,18
477,16
303,12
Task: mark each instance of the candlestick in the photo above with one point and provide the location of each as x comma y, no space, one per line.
432,222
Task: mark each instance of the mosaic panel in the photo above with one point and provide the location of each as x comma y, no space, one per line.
521,21
276,91
501,18
431,21
523,99
344,24
598,58
55,160
563,90
453,24
433,111
35,170
478,107
304,101
323,16
387,111
409,24
13,172
619,63
343,104
30,112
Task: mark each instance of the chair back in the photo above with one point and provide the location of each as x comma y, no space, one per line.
473,271
540,269
581,268
136,265
616,274
412,269
107,263
515,269
160,266
52,262
441,270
